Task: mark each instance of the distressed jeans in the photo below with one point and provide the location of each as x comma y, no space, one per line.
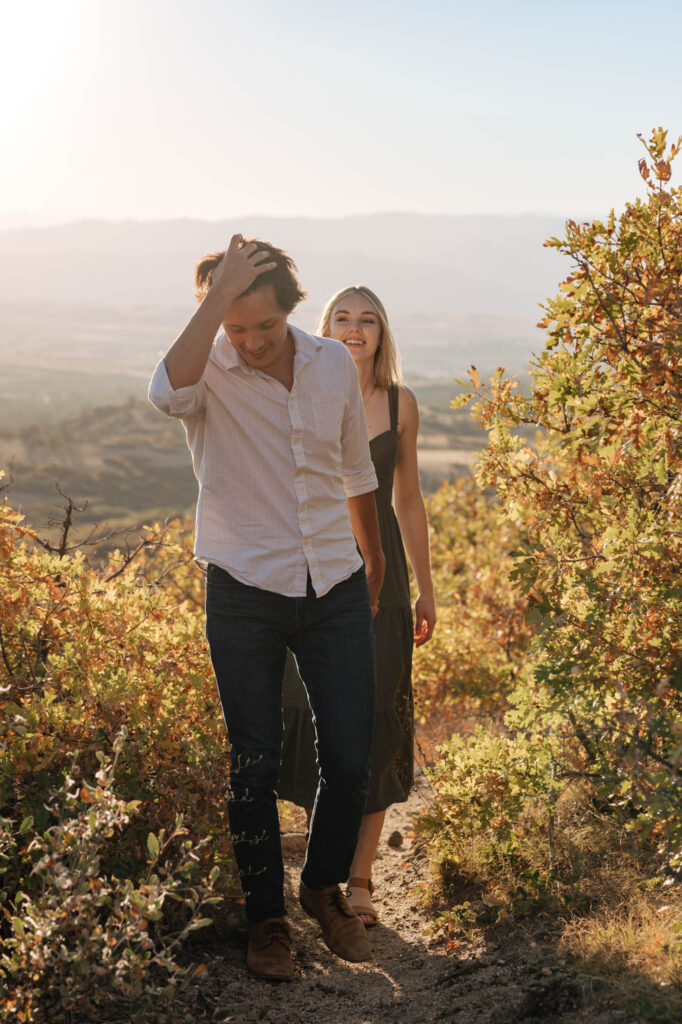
248,632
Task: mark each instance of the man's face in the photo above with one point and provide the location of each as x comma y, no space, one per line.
257,328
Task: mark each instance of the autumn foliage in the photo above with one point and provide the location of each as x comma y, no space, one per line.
593,722
113,773
474,658
558,656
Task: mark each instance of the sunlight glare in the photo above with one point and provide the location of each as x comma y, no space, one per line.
41,56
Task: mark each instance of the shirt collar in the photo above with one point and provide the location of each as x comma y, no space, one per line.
306,346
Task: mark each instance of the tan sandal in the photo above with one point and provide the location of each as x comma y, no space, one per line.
366,909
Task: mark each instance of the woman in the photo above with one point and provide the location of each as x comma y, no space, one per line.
356,317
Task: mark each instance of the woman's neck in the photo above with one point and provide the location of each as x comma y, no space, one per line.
367,379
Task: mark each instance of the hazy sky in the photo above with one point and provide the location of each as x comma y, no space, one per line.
160,108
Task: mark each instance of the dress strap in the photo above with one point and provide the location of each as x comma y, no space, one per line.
393,392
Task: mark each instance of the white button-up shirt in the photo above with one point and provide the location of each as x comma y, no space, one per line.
274,466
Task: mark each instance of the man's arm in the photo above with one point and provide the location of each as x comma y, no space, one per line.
360,481
186,359
365,523
411,515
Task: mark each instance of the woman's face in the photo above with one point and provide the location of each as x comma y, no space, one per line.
356,323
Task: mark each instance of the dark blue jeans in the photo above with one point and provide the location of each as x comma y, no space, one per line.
248,631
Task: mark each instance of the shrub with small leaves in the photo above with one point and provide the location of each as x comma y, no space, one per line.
79,940
93,906
479,647
599,504
85,651
571,796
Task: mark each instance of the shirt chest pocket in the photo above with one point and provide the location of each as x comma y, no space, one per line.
327,415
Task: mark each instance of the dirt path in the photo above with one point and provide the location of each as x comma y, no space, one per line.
411,980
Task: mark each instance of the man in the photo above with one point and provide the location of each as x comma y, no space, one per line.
275,425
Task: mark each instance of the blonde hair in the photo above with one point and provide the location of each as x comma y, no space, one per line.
386,360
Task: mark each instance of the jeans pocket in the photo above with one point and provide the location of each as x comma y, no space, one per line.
356,579
218,577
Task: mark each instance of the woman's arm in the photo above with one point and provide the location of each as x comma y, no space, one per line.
411,515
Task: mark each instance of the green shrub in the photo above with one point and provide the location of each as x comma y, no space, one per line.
572,794
599,504
79,939
95,904
478,648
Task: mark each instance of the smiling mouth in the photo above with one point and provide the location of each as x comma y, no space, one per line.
354,341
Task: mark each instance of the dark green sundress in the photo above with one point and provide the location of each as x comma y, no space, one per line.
393,745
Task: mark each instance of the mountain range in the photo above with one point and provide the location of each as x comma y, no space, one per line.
462,286
462,264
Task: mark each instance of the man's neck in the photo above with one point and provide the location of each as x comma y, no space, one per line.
283,369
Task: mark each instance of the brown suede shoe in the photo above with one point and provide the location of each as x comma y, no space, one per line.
269,952
342,929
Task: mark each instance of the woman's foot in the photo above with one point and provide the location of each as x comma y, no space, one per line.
359,895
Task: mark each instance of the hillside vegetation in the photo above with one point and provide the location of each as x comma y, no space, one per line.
113,760
549,700
132,465
567,801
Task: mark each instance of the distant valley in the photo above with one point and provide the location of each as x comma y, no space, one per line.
87,309
131,464
107,299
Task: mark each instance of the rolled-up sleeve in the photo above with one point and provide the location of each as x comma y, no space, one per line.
357,469
182,402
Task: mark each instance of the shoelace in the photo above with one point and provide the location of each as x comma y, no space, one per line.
337,902
277,932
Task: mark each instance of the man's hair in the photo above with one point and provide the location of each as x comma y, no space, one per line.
288,292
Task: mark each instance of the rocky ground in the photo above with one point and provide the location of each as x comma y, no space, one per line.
411,980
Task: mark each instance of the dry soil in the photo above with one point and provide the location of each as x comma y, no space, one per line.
412,979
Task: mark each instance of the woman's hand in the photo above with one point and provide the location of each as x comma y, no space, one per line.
424,619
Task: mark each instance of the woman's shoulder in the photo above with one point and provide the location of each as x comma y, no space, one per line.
408,408
406,395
